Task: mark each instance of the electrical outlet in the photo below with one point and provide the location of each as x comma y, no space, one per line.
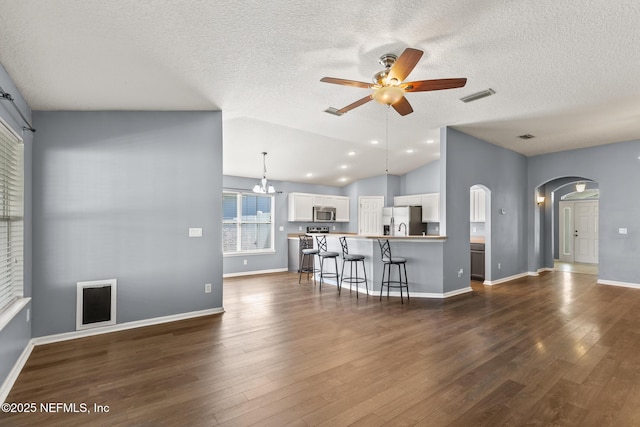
499,266
475,229
28,315
281,228
244,261
300,228
460,272
207,288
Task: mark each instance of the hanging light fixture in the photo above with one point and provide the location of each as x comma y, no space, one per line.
581,186
262,187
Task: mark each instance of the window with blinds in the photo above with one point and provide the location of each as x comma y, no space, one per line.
11,217
247,224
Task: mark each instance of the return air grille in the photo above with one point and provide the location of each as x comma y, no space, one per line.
478,95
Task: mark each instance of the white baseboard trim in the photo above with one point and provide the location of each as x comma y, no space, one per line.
616,283
252,273
15,371
48,339
432,295
508,279
345,287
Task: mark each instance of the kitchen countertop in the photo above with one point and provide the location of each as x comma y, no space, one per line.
354,235
477,239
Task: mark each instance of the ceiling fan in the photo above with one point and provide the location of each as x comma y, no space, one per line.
388,85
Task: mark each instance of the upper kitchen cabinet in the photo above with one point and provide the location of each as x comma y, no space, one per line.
477,205
430,207
412,200
301,207
342,208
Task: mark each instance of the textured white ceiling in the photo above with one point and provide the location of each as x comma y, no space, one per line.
564,71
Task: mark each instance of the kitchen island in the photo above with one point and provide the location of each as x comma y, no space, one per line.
424,255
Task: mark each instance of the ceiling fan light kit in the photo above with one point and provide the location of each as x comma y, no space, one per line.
388,85
388,95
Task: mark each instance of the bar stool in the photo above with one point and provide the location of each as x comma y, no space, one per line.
324,254
351,259
388,260
307,253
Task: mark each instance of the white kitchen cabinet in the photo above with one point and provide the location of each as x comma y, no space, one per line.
430,207
477,205
342,208
301,207
320,200
412,200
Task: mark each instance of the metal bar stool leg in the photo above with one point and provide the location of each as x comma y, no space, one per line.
366,286
338,281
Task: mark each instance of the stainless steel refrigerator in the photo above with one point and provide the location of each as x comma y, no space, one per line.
403,221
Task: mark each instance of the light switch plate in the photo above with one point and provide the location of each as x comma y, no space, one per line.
195,232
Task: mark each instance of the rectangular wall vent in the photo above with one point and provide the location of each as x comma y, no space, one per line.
333,111
478,95
96,303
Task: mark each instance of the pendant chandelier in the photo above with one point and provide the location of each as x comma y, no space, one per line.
263,187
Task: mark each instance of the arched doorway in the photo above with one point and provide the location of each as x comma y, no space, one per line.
569,225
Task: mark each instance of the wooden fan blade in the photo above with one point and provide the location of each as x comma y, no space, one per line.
439,84
403,107
405,64
344,82
355,104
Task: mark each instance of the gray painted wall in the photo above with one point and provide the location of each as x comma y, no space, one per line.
470,161
425,179
235,264
15,336
114,196
613,167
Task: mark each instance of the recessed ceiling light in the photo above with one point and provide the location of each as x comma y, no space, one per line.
351,153
430,141
343,166
410,150
375,142
343,179
309,174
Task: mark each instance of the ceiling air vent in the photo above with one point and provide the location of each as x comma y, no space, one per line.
526,136
478,95
333,111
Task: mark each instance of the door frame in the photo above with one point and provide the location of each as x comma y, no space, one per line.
563,205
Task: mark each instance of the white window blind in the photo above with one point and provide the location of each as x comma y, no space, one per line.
11,217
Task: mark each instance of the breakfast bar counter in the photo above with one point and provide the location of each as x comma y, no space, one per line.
424,255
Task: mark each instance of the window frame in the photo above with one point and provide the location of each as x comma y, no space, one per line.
11,213
238,221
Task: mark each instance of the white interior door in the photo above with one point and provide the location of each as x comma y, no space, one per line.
585,246
370,215
579,232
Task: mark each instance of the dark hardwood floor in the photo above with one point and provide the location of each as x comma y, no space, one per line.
550,350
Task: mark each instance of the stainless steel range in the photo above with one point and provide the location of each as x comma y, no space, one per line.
318,229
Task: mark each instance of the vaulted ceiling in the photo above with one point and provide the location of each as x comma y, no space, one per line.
563,71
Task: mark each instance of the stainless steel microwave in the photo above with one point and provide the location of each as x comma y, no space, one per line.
324,214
